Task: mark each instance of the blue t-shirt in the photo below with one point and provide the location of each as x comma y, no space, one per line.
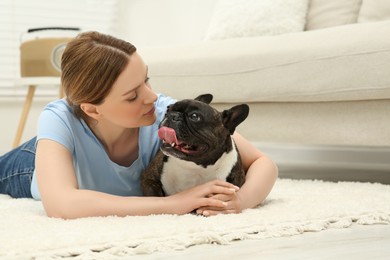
94,169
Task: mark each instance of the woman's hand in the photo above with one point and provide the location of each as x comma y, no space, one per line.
233,205
217,195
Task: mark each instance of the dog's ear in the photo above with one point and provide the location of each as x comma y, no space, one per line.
205,98
234,116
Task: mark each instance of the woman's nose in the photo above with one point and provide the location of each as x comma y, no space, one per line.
150,95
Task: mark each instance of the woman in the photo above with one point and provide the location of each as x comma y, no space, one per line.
92,146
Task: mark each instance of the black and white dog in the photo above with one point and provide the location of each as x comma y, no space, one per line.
197,148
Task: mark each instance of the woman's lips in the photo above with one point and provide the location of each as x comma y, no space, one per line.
151,111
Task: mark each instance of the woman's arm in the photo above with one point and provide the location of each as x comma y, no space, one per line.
61,197
261,174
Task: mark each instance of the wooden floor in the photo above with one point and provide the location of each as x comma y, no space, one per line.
357,242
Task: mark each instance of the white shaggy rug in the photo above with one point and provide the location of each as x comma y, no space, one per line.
293,207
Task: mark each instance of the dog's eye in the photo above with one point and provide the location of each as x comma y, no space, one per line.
195,117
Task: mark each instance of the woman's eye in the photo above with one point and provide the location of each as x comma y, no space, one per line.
147,80
195,117
132,99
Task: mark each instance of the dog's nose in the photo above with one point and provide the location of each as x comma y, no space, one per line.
175,116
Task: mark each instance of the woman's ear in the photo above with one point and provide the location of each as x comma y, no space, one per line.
90,110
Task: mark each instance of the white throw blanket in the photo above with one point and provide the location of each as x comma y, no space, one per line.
293,207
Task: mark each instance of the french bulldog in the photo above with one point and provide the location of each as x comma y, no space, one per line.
197,147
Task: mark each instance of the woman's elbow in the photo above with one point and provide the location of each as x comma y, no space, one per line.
63,209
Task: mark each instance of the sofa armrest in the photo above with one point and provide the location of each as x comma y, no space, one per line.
348,62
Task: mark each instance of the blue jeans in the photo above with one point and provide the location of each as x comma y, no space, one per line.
16,170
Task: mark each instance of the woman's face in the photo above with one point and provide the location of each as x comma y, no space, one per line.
130,102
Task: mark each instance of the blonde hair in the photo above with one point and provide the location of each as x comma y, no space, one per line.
90,65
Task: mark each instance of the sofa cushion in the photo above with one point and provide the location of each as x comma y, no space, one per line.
329,13
243,18
374,10
335,64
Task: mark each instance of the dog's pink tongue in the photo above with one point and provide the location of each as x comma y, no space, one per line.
167,134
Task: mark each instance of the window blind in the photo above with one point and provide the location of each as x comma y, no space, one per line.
17,16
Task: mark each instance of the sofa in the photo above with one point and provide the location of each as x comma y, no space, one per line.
324,85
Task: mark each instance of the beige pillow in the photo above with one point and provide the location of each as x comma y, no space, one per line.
374,10
329,13
250,18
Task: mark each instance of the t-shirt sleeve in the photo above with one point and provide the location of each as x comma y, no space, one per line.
53,125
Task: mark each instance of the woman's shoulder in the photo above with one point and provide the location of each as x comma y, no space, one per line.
58,114
57,122
58,110
59,105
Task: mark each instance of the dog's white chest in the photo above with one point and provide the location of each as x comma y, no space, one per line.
179,175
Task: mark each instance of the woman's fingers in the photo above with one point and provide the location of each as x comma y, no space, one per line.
214,203
219,187
232,205
206,196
